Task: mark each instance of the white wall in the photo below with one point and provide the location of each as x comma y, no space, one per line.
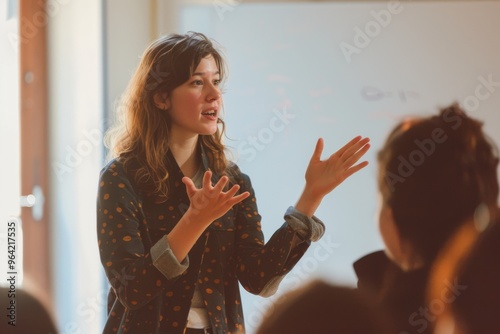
128,31
76,110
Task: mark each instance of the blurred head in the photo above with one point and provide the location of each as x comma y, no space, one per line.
143,128
322,308
434,174
27,314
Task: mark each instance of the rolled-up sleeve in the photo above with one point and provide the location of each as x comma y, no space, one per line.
262,266
309,229
165,261
127,261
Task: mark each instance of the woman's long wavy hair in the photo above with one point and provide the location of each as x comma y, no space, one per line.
141,131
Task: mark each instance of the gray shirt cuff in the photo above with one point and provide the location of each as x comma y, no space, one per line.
165,261
310,229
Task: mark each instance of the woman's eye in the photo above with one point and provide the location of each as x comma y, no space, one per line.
198,82
216,82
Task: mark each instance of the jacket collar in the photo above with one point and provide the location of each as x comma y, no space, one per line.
176,172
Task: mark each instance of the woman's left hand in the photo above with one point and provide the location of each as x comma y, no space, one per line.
322,176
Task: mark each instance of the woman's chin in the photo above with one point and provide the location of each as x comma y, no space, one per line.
209,131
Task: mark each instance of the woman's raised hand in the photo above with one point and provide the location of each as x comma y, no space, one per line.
212,202
207,204
322,176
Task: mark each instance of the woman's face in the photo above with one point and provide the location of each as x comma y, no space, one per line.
195,105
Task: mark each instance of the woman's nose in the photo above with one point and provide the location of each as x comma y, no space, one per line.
214,94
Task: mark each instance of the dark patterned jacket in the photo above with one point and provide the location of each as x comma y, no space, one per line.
145,298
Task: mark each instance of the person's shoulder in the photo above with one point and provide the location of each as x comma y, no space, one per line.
117,177
234,171
371,268
115,170
371,260
113,167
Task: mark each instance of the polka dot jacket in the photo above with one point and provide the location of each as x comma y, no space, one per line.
150,293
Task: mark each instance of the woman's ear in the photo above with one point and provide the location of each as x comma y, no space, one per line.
162,101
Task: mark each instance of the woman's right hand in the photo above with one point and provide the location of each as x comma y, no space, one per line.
211,202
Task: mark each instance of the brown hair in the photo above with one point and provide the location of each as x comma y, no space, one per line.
141,132
434,173
319,307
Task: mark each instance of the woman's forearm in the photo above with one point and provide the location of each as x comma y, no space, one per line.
185,234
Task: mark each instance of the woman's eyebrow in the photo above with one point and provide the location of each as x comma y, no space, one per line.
203,73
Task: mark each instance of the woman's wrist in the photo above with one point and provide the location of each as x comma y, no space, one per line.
308,202
194,219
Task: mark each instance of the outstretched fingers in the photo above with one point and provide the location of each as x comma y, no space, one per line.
207,180
236,199
349,155
355,169
190,187
231,199
221,184
354,156
351,150
318,150
347,146
212,201
217,191
231,192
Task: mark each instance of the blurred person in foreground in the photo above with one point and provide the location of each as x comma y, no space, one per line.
23,313
435,173
471,260
325,309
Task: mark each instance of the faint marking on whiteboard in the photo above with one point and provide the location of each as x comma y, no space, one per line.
372,94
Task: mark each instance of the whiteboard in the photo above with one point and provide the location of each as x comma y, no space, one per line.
291,59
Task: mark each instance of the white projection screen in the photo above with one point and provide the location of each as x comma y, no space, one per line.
335,70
